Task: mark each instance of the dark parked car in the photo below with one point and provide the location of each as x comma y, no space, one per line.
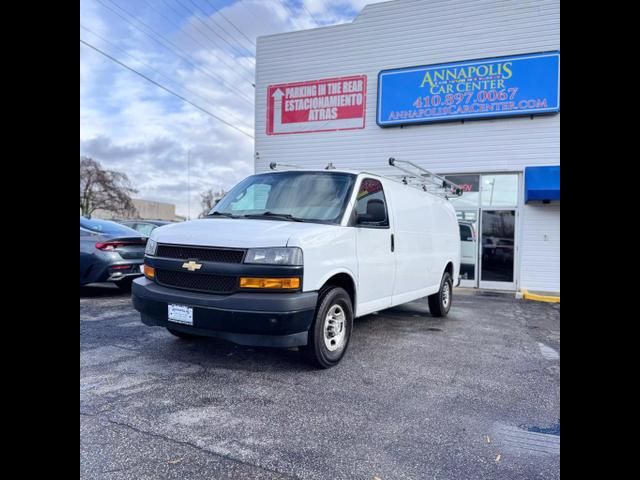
110,252
145,227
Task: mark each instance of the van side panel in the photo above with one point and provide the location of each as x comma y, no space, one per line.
446,238
415,258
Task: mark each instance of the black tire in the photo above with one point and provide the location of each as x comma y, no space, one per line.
316,351
180,334
124,285
440,303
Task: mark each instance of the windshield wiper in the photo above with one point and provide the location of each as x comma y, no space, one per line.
222,214
285,216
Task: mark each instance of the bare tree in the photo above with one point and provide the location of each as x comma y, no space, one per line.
104,189
208,199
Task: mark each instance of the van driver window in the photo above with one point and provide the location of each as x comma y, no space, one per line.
371,206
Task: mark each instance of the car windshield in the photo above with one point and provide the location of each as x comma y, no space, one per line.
296,196
106,227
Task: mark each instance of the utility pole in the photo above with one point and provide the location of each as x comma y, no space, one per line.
189,184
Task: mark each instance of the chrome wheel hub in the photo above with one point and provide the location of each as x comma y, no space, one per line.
446,295
335,328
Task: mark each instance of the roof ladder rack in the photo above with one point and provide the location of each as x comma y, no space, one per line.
274,165
428,181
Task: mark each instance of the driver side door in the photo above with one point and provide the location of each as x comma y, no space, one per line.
374,247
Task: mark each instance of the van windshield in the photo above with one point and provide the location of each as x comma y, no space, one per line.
296,196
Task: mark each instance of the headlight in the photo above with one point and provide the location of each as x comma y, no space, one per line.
151,247
274,256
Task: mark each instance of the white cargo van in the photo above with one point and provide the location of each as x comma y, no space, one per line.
290,258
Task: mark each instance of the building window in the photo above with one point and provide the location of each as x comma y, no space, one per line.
470,185
499,190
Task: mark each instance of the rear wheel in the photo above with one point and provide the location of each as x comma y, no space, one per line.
331,329
180,334
440,302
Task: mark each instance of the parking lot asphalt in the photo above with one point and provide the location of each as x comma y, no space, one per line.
475,395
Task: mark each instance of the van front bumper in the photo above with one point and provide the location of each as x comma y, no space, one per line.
245,318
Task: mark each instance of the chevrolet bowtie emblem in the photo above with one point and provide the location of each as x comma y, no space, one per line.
192,266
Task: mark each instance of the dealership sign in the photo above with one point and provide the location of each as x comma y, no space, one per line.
317,106
494,87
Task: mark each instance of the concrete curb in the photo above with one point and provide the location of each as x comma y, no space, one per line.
540,298
479,292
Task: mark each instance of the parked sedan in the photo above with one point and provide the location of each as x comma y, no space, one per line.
145,227
110,252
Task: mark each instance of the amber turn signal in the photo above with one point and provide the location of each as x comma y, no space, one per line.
277,283
149,272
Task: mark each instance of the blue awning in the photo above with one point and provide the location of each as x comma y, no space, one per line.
541,183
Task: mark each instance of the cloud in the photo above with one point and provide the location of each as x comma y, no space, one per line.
132,126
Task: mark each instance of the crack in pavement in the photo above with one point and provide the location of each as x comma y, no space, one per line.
192,445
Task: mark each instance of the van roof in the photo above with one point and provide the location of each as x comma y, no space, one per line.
353,172
318,170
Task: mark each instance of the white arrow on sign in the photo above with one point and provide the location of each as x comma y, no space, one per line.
279,127
277,110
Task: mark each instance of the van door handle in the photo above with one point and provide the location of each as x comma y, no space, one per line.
393,246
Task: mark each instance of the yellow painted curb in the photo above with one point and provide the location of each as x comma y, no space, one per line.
540,298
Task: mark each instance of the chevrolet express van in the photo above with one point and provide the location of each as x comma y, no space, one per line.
290,258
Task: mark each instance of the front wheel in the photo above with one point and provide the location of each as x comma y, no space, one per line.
331,329
440,302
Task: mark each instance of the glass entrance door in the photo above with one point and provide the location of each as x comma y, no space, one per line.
487,212
497,249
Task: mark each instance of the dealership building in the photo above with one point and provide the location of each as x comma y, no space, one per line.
465,89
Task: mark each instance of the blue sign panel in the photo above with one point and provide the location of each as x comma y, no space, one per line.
493,87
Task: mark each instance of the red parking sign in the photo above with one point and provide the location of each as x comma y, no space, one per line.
317,106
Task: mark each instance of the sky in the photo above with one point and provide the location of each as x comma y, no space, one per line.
202,50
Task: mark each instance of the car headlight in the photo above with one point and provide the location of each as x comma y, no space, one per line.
274,256
151,247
